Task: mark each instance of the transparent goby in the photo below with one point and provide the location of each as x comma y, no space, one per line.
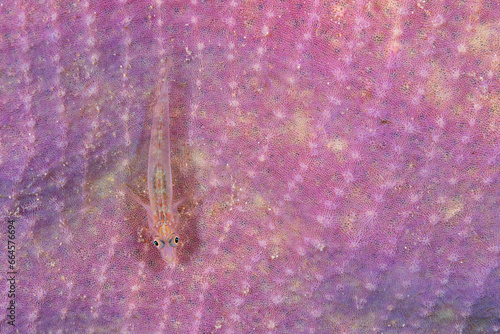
162,214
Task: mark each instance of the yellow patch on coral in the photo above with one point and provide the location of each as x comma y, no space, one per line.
438,84
494,119
337,144
259,201
199,158
484,40
300,127
103,186
453,207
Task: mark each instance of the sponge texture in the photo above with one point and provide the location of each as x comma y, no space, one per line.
339,165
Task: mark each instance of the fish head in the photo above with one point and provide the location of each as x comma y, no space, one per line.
167,241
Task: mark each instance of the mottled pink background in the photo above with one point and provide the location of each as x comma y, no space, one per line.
339,160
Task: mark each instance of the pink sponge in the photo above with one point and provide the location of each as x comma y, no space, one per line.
339,163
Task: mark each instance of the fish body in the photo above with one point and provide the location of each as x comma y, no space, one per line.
162,218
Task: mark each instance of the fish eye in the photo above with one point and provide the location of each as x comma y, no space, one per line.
174,241
159,243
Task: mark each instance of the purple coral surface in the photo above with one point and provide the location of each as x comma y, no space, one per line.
339,163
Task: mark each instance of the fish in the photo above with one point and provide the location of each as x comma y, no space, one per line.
162,214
